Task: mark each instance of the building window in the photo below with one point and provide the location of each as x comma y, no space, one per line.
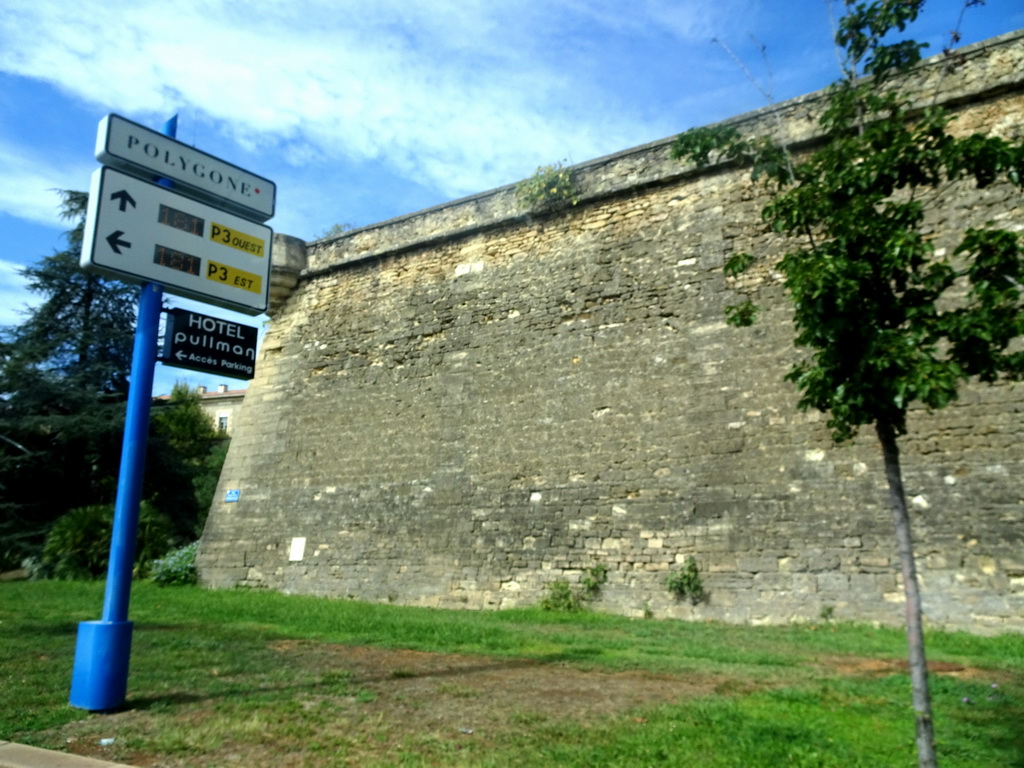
222,423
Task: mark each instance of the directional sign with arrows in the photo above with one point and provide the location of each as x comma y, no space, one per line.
141,232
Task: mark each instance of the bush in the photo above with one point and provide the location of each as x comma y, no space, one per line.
550,187
561,597
177,568
78,544
686,582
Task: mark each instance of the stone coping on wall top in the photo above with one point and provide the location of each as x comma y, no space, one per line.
648,164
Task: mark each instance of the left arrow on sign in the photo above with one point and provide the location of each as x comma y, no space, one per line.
116,243
124,199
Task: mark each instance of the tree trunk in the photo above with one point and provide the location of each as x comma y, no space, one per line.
915,633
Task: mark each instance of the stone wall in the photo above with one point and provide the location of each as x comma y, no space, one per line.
462,406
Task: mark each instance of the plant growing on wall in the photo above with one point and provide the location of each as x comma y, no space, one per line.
562,597
595,578
883,319
686,582
551,186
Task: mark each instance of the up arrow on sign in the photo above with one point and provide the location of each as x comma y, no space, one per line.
124,198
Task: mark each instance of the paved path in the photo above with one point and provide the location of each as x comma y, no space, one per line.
19,756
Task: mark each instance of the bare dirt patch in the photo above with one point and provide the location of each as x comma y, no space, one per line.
367,705
852,666
389,699
474,692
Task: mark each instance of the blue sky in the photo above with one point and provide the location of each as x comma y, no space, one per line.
365,110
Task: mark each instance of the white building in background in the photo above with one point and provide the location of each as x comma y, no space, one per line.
221,405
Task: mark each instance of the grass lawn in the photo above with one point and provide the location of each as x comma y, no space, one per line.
245,678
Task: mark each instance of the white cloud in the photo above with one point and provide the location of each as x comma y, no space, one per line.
461,95
15,297
30,184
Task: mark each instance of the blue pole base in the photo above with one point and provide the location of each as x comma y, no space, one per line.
99,681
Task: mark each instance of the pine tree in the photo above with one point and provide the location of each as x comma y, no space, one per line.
184,459
63,383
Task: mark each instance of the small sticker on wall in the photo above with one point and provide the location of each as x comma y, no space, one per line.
298,549
233,494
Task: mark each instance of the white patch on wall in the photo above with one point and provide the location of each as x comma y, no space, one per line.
816,454
465,269
714,327
297,549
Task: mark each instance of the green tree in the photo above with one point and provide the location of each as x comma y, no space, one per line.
884,320
205,484
63,390
184,459
63,382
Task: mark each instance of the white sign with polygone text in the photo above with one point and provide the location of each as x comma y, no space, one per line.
135,149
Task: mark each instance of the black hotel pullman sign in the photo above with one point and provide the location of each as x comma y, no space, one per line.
211,344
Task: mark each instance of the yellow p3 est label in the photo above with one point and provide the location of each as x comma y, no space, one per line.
240,241
239,278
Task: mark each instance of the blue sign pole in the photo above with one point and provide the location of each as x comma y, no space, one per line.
99,680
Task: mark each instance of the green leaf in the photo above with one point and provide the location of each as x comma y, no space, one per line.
741,315
737,264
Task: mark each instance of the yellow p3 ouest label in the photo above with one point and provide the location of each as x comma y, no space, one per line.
240,241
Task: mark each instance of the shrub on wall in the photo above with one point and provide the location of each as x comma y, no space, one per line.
686,582
551,186
562,597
